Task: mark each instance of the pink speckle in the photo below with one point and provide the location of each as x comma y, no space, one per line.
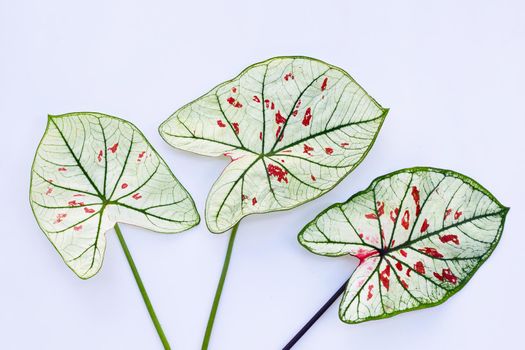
260,135
141,155
449,238
234,89
288,76
457,214
60,217
329,150
136,196
345,144
49,191
370,295
89,210
77,228
62,169
124,185
256,99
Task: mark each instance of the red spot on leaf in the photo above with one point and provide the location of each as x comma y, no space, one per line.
288,76
424,227
380,208
404,284
254,201
279,132
371,216
236,127
404,253
344,144
329,150
370,295
313,177
234,89
447,275
260,135
267,103
449,238
234,102
399,266
78,195
220,123
256,99
74,203
89,210
457,214
408,271
323,86
124,185
113,148
431,252
307,117
141,155
307,149
244,197
394,214
406,219
49,190
384,277
62,169
419,267
60,217
100,154
279,119
278,172
272,107
447,213
415,195
77,228
136,196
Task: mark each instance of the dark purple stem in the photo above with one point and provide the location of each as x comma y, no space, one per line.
314,319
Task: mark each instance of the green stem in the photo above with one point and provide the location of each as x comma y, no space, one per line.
152,314
218,292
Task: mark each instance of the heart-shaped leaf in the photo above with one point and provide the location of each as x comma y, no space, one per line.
293,128
420,234
92,171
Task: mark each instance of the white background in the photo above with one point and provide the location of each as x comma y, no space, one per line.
452,73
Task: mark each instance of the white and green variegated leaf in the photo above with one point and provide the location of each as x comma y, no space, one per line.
293,128
92,171
420,234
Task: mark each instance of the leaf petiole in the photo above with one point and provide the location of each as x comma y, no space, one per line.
218,292
317,315
145,296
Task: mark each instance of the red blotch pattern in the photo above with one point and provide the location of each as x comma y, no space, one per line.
424,227
278,172
220,123
113,148
136,196
234,102
325,83
449,238
405,220
307,117
431,252
307,149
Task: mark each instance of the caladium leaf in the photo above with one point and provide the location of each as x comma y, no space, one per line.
91,171
420,234
293,128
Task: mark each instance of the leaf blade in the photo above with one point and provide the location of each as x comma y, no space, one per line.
304,123
421,261
89,170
